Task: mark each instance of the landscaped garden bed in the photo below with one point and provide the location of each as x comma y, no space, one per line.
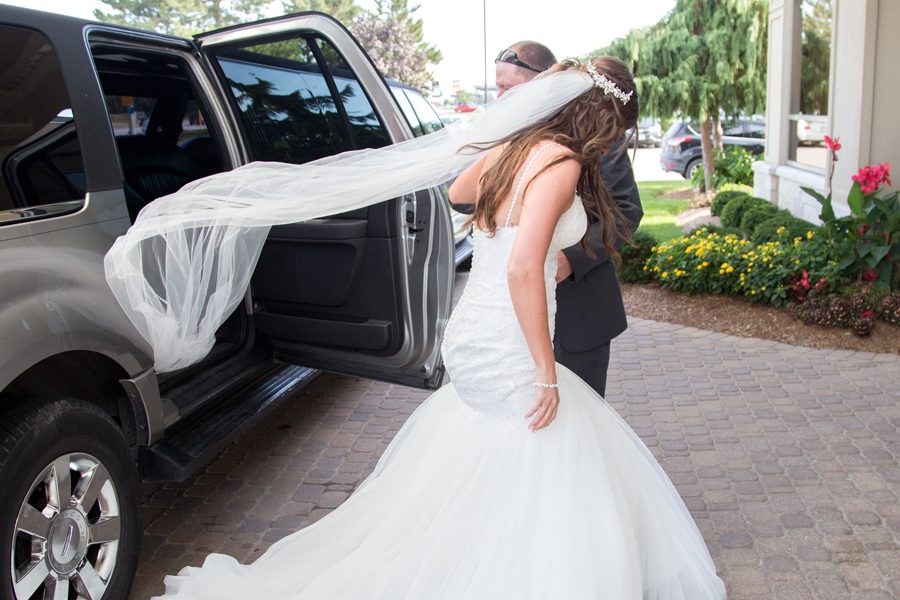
841,277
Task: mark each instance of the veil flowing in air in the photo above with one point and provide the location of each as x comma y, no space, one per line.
185,264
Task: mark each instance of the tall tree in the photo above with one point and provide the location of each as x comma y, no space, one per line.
344,11
694,64
180,17
393,37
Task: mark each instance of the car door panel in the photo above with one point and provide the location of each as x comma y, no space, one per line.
365,292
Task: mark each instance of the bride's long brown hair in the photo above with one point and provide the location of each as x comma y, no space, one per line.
588,127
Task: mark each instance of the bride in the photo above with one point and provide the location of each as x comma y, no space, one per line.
516,480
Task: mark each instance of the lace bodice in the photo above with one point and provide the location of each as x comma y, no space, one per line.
484,348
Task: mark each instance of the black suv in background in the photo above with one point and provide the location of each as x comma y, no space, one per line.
681,146
96,122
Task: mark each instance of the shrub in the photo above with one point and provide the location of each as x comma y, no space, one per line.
736,187
889,308
734,165
853,311
735,209
711,262
723,198
634,258
782,226
756,215
714,229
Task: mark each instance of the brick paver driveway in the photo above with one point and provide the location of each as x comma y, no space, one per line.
787,457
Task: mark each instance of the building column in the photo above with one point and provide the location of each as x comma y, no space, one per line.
781,85
851,102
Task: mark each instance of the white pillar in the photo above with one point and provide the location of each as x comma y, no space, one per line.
852,88
781,86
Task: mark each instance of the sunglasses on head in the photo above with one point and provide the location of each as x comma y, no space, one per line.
510,56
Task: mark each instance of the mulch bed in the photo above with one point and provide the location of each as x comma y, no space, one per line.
736,316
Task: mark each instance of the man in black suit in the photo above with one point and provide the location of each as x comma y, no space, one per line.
590,311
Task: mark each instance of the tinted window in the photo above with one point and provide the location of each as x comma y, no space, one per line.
674,129
286,106
408,111
129,114
429,118
39,151
367,130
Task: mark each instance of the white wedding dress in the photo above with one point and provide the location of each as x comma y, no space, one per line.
468,504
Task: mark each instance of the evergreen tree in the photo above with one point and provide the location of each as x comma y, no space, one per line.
703,59
180,17
393,38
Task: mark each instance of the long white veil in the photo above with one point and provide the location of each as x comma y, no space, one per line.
185,264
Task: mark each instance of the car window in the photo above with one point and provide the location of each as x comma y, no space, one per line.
408,111
429,118
39,150
367,130
286,107
129,115
193,123
674,129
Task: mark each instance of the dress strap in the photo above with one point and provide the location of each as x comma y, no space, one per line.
528,165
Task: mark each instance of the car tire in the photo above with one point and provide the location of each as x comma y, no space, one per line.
692,166
51,518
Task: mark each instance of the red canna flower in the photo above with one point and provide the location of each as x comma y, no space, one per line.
872,177
833,144
869,275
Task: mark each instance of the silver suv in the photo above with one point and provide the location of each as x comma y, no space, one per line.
97,121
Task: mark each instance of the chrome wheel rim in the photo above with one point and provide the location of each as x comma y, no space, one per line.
67,532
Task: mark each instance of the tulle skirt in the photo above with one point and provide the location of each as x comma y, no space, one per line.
464,506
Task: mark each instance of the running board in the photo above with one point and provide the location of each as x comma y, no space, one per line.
196,442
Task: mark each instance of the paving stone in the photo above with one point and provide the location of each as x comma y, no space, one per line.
786,457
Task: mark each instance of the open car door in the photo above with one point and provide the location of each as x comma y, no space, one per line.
366,292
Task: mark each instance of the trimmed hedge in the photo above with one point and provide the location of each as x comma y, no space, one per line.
756,215
736,187
634,256
768,230
734,211
723,198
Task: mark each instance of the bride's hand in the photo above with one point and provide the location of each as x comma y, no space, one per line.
544,409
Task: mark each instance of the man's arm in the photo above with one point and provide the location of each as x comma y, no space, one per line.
465,208
618,176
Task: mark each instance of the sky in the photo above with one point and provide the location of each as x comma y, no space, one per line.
455,27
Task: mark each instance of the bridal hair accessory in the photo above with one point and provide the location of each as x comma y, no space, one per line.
541,384
608,86
185,264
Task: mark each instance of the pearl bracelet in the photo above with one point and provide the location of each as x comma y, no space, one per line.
545,385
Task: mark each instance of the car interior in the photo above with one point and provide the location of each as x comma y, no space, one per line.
330,282
155,116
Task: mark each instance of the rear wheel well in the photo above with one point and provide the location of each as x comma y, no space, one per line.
89,376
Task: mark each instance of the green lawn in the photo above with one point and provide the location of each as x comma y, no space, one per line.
659,213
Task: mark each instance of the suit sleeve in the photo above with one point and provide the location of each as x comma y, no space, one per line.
618,176
466,209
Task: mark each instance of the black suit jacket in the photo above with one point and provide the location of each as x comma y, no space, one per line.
590,311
